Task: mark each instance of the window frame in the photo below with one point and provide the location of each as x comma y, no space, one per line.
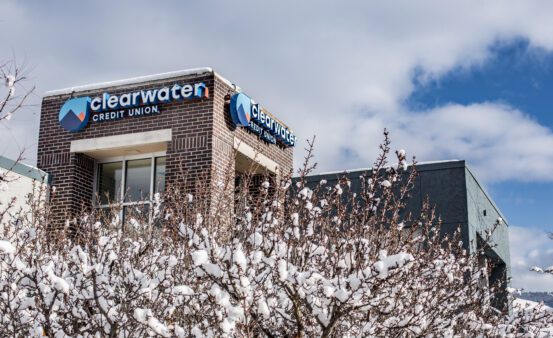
121,199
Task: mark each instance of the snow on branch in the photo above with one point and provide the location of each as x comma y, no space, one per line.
10,77
280,260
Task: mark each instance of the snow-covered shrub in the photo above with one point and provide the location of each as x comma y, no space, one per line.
289,260
545,270
9,102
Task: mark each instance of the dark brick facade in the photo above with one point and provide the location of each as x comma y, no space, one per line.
202,139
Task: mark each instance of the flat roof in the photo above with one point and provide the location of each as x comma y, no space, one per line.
136,80
23,169
421,166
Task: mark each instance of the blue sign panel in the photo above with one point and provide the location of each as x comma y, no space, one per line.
244,112
240,109
74,113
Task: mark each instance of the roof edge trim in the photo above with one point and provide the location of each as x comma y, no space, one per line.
23,169
453,163
133,80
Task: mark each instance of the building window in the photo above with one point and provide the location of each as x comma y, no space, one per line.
159,176
131,183
110,177
138,175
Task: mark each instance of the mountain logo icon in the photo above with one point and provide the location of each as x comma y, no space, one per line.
74,113
240,109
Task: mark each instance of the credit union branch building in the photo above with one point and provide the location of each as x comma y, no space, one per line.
126,140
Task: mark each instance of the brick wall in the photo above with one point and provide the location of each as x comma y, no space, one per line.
202,143
224,132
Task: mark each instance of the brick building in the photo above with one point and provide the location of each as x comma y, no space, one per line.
125,140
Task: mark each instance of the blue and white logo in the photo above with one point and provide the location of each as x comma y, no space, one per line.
74,113
244,112
240,109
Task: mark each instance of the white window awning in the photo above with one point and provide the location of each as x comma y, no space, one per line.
124,144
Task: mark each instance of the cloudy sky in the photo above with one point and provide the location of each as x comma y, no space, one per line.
467,80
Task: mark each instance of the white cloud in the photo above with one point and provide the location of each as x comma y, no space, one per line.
530,247
499,142
335,69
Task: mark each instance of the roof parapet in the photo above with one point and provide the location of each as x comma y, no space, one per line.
136,80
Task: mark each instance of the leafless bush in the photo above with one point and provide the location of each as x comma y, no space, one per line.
286,260
11,78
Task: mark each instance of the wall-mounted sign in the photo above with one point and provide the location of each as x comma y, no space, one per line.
245,112
76,112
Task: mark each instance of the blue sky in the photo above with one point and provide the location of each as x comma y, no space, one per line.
515,73
518,75
465,80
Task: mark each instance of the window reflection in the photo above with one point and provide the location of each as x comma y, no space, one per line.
109,181
137,179
159,178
